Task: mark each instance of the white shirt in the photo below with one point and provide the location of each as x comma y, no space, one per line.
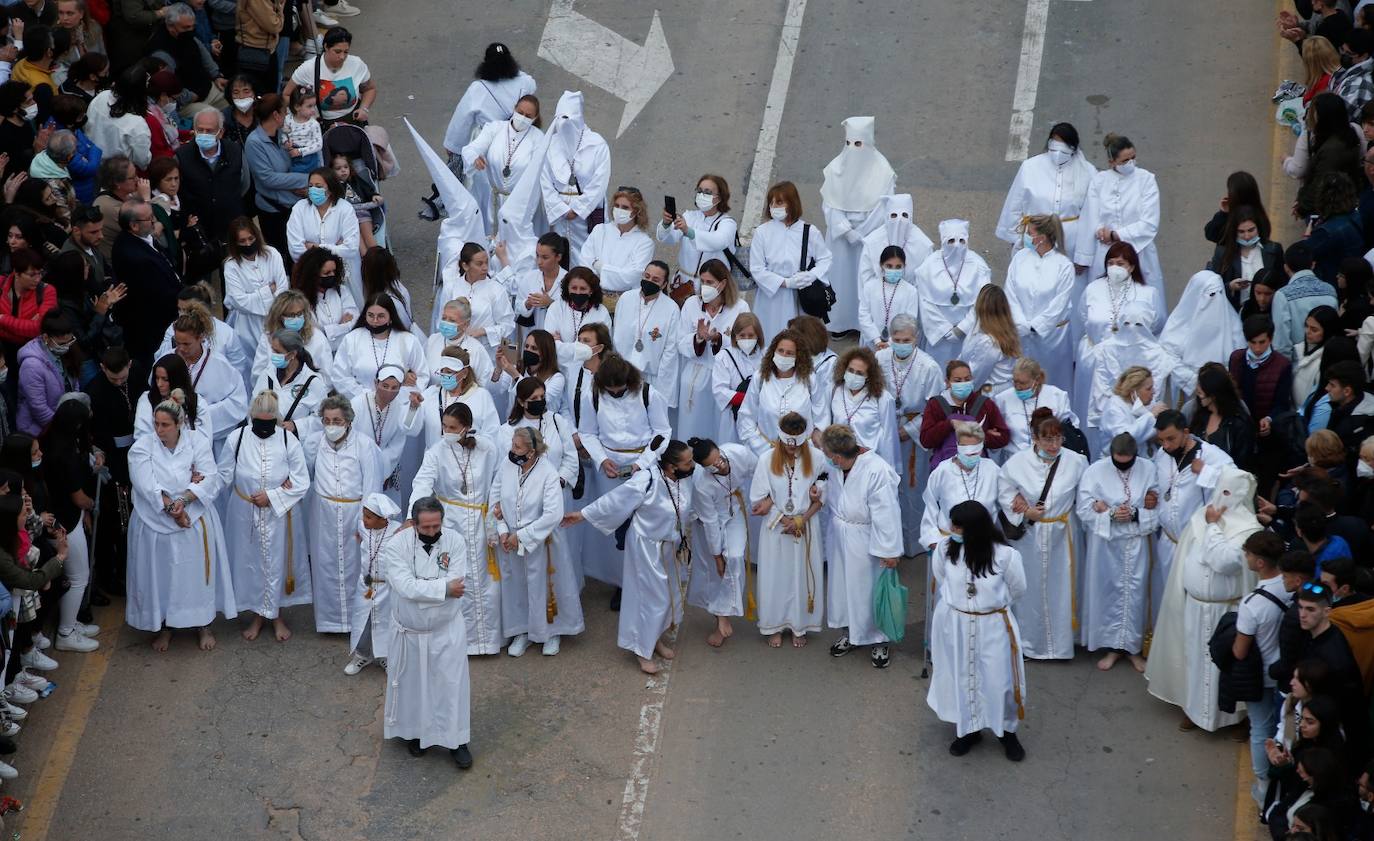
711,235
1260,618
617,258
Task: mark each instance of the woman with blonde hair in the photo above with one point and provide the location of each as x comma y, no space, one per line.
1319,61
775,257
618,249
993,346
790,579
1131,408
1042,289
218,384
1029,392
860,400
291,310
785,383
732,371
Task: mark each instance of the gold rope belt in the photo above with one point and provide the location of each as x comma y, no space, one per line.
1015,654
493,568
205,544
911,457
1073,594
634,451
804,527
551,607
340,499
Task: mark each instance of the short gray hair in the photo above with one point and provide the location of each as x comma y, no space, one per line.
1124,445
62,146
967,429
289,340
840,440
903,321
177,12
113,170
128,212
338,401
212,113
424,505
532,439
463,305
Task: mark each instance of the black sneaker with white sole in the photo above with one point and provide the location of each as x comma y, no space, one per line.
880,657
841,647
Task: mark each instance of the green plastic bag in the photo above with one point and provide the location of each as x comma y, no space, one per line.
889,604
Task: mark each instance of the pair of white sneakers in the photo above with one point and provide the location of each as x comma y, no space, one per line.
328,15
522,642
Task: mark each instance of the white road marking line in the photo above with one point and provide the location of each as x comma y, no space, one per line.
766,150
646,749
1027,79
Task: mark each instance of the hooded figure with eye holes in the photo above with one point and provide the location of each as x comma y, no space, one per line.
1209,575
949,281
1204,327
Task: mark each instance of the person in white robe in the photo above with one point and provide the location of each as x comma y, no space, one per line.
727,542
454,382
534,290
253,277
498,156
659,503
967,476
263,469
865,537
373,626
302,388
1188,469
1101,313
219,337
290,311
775,259
704,322
458,470
325,219
1040,288
452,332
913,378
860,400
1135,345
530,408
348,470
732,371
1118,500
1122,206
490,97
978,679
1029,392
703,233
579,304
898,227
576,172
335,308
646,331
785,382
992,347
1208,578
1204,327
170,377
618,250
492,320
538,359
178,574
1055,182
1131,409
541,598
785,497
428,694
390,423
855,182
376,343
949,281
1039,491
891,295
221,399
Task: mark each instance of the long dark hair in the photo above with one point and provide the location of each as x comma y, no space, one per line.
1330,322
1242,190
615,372
980,537
1215,381
10,506
497,64
524,390
1244,213
305,277
130,92
16,454
69,430
384,301
548,355
1332,120
178,377
380,273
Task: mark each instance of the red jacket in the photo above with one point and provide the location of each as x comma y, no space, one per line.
937,431
19,327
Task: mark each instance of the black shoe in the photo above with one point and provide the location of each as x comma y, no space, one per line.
963,744
114,587
99,599
1011,746
615,600
462,757
84,616
413,745
879,656
841,647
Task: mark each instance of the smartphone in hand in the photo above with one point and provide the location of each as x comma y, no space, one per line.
670,205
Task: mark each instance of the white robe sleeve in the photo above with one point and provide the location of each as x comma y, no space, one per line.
567,466
1014,575
589,430
619,504
1141,233
708,513
555,205
345,383
1094,522
242,292
231,408
537,531
821,393
747,424
1222,555
1013,208
759,486
422,485
1007,490
721,238
1056,308
1088,223
295,229
766,279
887,431
479,146
283,499
659,426
626,275
885,517
930,518
400,574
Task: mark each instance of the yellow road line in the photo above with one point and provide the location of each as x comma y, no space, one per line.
1280,212
42,806
1246,822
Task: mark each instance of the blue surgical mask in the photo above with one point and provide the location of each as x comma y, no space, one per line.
1027,242
449,382
1248,243
1025,393
448,329
902,350
1044,455
961,391
893,275
278,360
957,538
318,195
1256,361
207,141
968,461
293,322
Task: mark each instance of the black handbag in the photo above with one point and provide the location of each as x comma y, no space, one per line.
1016,531
818,298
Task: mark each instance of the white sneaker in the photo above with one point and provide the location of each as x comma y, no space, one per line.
381,663
324,20
34,683
342,9
7,771
518,645
14,713
9,728
41,642
73,641
18,693
356,664
551,647
86,630
314,46
35,659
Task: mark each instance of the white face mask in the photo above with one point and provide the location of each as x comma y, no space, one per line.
705,201
778,213
1059,157
335,433
520,122
709,293
621,215
244,104
746,345
1363,470
1127,168
31,111
853,381
784,363
451,437
1118,274
970,450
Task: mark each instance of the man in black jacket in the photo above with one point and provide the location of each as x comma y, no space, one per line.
175,38
213,177
114,394
1297,568
153,282
1352,411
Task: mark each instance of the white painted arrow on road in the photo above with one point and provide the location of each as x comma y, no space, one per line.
598,55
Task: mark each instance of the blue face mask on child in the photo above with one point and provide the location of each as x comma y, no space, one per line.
893,275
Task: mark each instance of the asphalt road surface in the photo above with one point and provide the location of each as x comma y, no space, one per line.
268,740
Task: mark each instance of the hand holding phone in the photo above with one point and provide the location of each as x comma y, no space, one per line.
670,205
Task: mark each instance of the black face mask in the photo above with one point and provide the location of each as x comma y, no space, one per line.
530,358
682,474
579,299
428,540
264,427
329,281
536,408
518,461
1123,466
648,288
378,329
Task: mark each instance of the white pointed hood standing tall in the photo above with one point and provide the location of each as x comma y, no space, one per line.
1204,327
859,176
568,123
464,222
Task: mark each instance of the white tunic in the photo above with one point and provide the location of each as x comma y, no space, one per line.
1040,188
563,322
508,153
250,287
879,302
345,473
846,257
1041,293
478,359
917,248
617,257
711,236
269,555
791,583
589,159
977,677
655,577
950,485
336,313
143,421
912,381
947,305
224,342
990,367
361,355
389,428
646,334
461,479
220,396
428,696
1128,205
865,528
698,415
299,401
1016,413
730,367
531,507
178,578
1181,492
769,399
775,258
1051,551
431,413
1117,557
485,101
726,530
490,301
371,613
528,283
317,346
556,430
336,230
874,420
1118,416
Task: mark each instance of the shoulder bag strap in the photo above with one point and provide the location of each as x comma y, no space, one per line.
806,243
1049,480
294,403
